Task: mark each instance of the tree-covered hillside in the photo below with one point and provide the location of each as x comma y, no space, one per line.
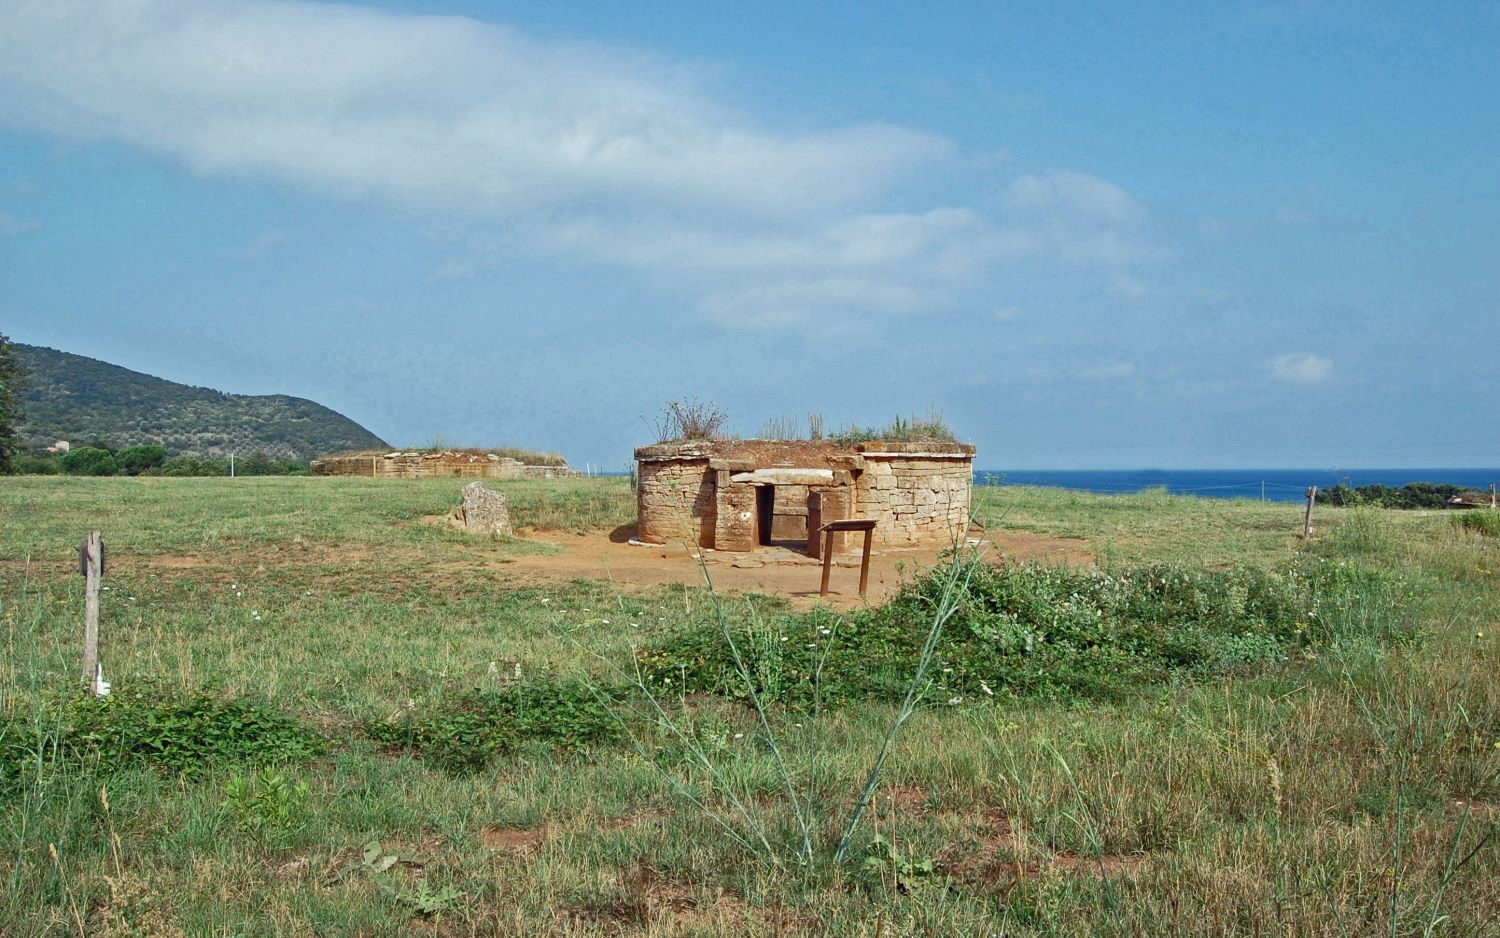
70,397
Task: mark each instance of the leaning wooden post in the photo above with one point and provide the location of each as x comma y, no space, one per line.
827,559
1312,496
864,564
93,572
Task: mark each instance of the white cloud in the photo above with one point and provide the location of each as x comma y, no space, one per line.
1007,313
1126,286
1301,368
424,110
582,150
1080,193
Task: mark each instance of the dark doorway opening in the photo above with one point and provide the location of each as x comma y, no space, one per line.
765,513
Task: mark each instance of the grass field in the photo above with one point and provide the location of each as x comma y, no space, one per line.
333,718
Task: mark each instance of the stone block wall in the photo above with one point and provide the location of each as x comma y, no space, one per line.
437,466
919,501
675,501
736,524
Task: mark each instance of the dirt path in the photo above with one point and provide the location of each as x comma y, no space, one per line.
775,571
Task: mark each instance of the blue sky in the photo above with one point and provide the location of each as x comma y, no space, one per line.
1090,235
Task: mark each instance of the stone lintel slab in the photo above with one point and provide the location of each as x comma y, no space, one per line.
785,477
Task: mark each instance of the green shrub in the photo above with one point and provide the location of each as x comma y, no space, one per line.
88,461
266,803
191,466
1026,631
259,464
1411,495
36,464
170,730
464,731
1482,521
133,460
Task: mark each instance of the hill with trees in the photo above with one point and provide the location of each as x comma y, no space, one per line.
84,400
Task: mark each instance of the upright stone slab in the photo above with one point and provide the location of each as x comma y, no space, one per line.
483,511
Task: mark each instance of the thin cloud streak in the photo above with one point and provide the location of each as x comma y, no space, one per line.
1301,368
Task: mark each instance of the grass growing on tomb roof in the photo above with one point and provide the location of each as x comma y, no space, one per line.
529,457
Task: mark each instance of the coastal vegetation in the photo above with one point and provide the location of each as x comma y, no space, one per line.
78,399
329,716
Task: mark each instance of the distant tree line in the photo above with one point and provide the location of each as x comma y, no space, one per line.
1412,495
100,458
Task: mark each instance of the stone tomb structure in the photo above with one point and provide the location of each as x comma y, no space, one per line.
429,465
736,495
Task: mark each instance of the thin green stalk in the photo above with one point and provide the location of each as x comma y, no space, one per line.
1433,918
960,573
760,711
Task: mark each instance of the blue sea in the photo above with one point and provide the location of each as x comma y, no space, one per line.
1277,485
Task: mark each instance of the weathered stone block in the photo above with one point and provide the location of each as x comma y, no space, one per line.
482,511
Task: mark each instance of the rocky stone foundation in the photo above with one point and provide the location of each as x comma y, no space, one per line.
437,466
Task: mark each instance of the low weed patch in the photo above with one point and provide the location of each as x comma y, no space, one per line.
266,803
173,731
1029,631
466,730
1480,522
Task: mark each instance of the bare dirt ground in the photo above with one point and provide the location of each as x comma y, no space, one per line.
776,571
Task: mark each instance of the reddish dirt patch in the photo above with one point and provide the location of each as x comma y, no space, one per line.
513,840
1044,548
1003,855
660,905
1109,864
175,561
902,799
998,856
774,571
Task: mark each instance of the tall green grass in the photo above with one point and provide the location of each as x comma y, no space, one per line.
1348,789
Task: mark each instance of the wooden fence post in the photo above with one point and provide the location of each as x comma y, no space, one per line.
1312,496
93,556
